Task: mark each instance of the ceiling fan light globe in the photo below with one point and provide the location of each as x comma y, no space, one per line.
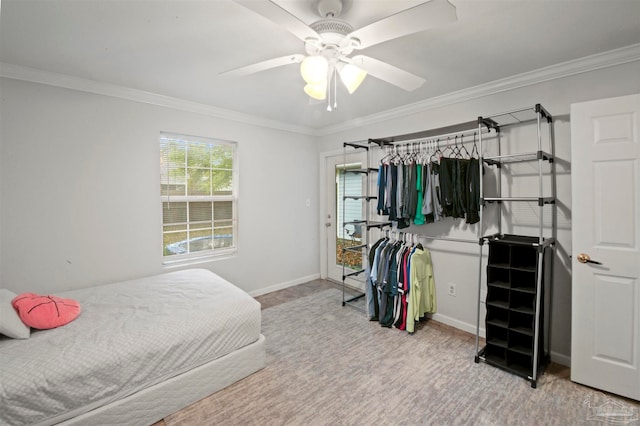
317,91
314,69
352,77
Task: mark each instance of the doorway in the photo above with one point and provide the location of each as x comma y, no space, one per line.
341,212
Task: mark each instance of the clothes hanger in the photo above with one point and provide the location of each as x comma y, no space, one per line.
475,147
456,149
394,155
406,155
466,153
422,152
416,151
431,151
426,152
448,147
434,156
387,156
410,154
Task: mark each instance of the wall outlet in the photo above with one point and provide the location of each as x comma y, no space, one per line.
451,290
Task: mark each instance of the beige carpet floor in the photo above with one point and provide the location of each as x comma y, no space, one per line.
329,365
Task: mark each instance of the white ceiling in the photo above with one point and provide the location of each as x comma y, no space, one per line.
177,48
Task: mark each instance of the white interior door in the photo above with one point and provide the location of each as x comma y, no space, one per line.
339,184
605,185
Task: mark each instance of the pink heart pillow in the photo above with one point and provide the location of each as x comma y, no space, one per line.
44,312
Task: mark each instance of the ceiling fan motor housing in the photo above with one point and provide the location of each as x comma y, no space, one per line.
332,26
333,37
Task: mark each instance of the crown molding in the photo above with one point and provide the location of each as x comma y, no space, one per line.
565,69
33,75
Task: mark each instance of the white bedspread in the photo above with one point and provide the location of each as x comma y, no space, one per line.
130,335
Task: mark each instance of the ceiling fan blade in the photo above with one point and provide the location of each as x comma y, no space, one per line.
281,17
384,71
418,18
265,65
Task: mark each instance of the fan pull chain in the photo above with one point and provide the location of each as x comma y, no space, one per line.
335,88
329,97
335,91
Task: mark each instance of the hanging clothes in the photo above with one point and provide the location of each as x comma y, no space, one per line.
400,193
389,287
422,298
473,195
370,288
420,188
400,284
418,217
436,191
382,188
412,194
393,172
427,197
405,173
447,185
460,192
406,286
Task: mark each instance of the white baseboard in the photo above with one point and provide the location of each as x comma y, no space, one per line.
470,328
561,359
283,285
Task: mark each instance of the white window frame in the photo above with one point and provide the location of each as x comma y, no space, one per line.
203,255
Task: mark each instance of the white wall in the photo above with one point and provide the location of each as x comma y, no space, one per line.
457,262
80,192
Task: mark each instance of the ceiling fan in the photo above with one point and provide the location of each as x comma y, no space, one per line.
330,41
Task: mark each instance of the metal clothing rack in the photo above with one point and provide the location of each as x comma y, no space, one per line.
485,128
511,345
366,173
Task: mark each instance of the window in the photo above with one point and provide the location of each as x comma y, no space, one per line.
198,193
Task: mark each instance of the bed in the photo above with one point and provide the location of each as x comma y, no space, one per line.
140,350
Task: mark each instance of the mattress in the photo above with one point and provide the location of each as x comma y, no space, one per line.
158,401
130,336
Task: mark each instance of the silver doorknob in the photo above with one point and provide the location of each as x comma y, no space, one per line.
328,224
585,258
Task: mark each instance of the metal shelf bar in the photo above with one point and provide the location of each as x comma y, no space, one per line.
353,274
468,128
539,200
377,225
360,197
456,240
356,145
355,248
355,222
529,156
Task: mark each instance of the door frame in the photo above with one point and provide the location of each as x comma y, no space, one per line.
324,249
324,193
